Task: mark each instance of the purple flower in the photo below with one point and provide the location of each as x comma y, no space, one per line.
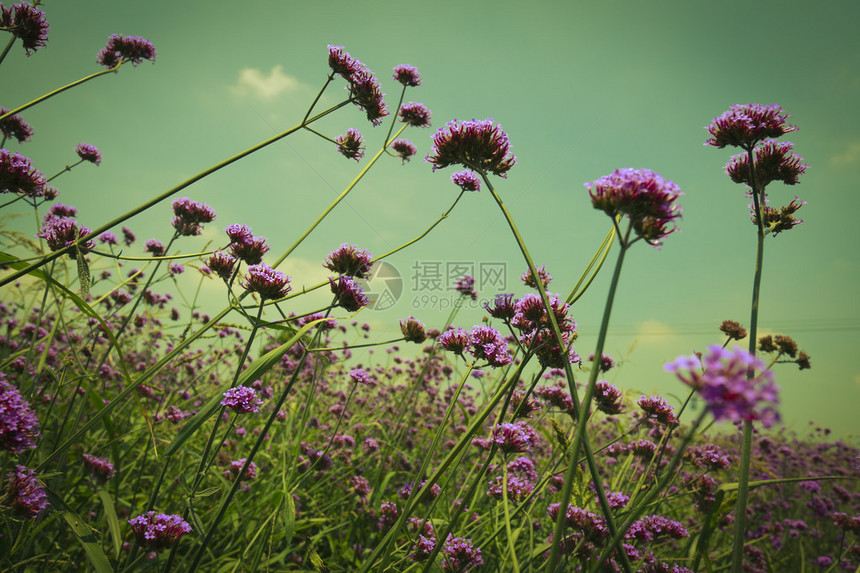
407,75
27,22
127,236
415,114
63,232
502,307
774,161
121,48
266,282
465,285
251,251
657,408
25,493
776,220
101,467
239,233
19,427
89,153
593,526
108,238
158,530
459,555
221,264
404,149
363,87
517,438
466,180
236,466
518,488
543,275
350,145
530,314
745,125
724,385
643,196
349,260
155,247
58,210
15,126
606,362
413,330
454,340
486,343
423,548
190,215
481,146
360,376
342,63
17,175
608,398
348,294
175,269
242,400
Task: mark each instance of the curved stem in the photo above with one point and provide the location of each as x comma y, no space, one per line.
7,48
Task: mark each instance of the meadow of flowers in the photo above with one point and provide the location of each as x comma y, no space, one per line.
140,430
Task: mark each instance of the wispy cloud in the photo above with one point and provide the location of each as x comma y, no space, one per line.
254,82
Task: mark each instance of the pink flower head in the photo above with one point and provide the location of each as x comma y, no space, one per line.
348,293
121,48
725,386
454,340
543,275
158,530
487,344
17,175
221,264
266,282
88,152
413,330
189,216
745,125
349,260
25,494
404,149
242,400
63,232
351,144
478,145
465,285
466,180
648,200
415,114
27,22
407,75
774,161
19,426
15,126
364,89
360,376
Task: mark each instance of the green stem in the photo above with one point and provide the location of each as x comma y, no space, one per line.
63,170
7,48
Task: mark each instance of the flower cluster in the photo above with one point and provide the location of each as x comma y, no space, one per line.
591,525
608,398
360,376
478,145
62,232
407,75
415,114
454,340
746,125
774,161
19,427
15,126
266,282
413,330
404,149
657,408
349,260
733,330
644,197
242,400
244,245
543,276
17,175
87,152
154,247
363,87
485,343
531,319
466,180
458,554
518,437
465,285
348,293
25,494
27,22
100,467
121,48
775,220
725,387
351,144
158,530
236,466
189,216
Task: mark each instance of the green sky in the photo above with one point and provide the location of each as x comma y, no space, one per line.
581,89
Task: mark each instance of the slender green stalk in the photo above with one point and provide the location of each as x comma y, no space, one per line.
7,48
746,440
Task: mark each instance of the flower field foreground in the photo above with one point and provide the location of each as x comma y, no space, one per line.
140,431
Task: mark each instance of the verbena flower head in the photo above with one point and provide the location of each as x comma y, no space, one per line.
608,398
128,237
644,197
232,473
89,153
108,238
543,275
465,285
26,22
518,437
266,282
413,330
775,220
58,210
100,467
459,555
404,149
774,161
189,216
19,427
17,175
351,144
348,294
244,245
242,400
63,232
15,126
407,75
415,114
360,376
466,180
154,247
25,494
733,330
454,340
349,260
724,385
121,48
530,313
503,306
657,408
487,344
363,87
478,145
221,264
158,530
239,233
745,125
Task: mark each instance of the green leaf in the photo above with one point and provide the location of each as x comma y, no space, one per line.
89,542
84,278
289,518
207,492
112,521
